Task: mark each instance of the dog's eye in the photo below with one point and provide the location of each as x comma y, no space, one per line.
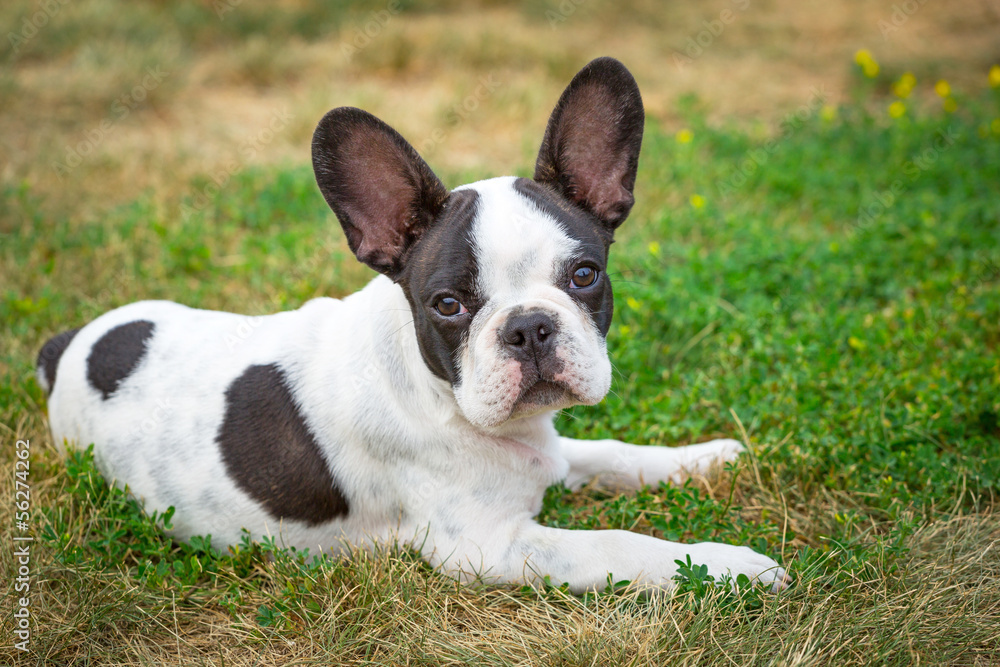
450,307
585,276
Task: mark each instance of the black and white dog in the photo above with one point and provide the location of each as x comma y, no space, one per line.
419,410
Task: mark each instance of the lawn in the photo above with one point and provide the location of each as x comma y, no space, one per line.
825,288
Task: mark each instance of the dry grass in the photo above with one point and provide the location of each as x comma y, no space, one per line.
939,604
223,85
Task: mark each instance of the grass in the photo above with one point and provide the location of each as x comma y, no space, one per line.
828,291
227,73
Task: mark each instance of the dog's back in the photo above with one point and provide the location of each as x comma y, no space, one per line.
142,383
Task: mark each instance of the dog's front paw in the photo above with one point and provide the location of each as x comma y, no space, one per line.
725,560
699,459
722,451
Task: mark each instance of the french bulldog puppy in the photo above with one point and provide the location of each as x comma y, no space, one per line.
420,409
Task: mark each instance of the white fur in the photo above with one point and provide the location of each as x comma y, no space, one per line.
444,471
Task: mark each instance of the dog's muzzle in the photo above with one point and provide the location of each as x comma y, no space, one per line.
530,339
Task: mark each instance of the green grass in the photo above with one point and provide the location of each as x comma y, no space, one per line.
858,355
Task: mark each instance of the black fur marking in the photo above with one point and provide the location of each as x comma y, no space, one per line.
117,354
444,263
595,240
270,452
51,353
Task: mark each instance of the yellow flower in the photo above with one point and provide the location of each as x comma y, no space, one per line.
856,343
828,112
950,105
904,86
864,58
654,248
994,76
897,109
684,136
995,125
633,304
942,88
697,201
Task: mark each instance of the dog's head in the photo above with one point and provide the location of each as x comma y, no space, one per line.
506,277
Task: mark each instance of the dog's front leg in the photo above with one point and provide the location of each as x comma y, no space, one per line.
620,465
526,552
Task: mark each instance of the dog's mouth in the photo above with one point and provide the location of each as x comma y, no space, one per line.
543,394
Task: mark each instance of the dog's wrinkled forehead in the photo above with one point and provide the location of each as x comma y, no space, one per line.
516,242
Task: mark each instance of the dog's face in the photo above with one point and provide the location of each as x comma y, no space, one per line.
507,277
511,301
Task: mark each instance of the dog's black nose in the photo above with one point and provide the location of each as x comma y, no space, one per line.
529,336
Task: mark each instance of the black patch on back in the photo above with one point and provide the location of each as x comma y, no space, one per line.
270,452
443,263
594,238
117,354
51,353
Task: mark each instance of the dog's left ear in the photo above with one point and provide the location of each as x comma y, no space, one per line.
591,148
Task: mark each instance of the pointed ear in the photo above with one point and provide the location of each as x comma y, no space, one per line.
591,148
383,193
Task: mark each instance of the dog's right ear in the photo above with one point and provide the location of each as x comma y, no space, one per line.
383,193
